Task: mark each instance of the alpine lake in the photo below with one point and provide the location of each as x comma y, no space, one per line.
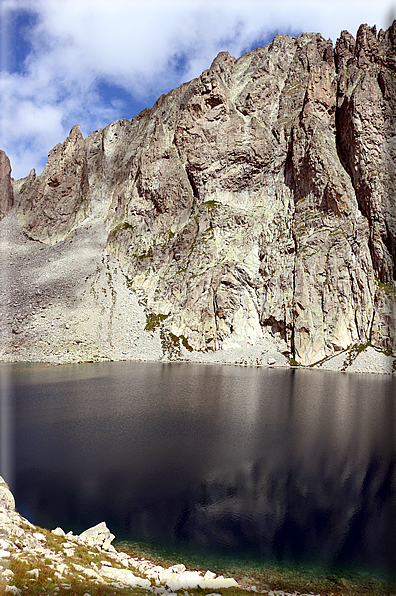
287,477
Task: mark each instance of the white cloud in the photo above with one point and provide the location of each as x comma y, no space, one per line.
138,45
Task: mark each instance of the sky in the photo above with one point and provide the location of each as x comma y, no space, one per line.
91,62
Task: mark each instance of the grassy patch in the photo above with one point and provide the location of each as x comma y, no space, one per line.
121,228
388,289
186,344
293,362
170,345
153,321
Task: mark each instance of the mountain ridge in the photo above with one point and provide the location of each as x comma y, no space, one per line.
255,202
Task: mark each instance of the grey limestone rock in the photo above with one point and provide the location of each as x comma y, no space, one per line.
51,205
98,535
7,500
258,198
6,190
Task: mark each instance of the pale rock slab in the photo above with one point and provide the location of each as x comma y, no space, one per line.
124,576
6,497
98,535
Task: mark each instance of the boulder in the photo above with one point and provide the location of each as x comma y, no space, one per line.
98,535
124,576
7,500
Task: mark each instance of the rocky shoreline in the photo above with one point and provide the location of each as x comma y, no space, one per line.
34,560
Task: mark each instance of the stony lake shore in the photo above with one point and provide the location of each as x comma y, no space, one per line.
37,561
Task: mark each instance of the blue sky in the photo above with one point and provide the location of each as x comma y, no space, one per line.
90,62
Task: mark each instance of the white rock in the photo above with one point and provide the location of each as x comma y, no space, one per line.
110,549
218,582
6,497
107,543
4,554
58,532
183,581
62,567
90,573
125,576
99,536
209,575
177,568
39,536
143,566
121,556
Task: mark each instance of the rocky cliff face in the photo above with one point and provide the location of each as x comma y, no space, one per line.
52,205
259,198
6,191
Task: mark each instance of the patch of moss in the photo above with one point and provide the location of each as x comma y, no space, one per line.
170,345
128,281
388,289
186,344
110,282
387,352
120,228
293,362
154,320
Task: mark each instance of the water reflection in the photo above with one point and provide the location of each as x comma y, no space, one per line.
279,465
6,428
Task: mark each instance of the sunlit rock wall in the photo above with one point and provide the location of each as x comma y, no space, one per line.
257,197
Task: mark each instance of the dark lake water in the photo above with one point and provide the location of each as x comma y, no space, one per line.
271,465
